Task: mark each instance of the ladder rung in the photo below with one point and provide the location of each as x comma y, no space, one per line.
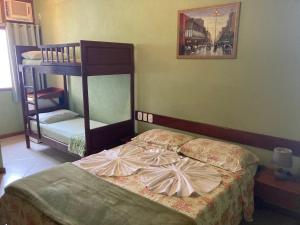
30,103
31,118
28,87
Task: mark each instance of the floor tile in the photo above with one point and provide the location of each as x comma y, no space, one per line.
20,161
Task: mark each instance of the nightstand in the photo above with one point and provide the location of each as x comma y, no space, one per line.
281,193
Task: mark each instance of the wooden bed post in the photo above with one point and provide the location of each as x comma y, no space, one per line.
132,99
36,104
25,119
66,97
45,80
86,112
85,96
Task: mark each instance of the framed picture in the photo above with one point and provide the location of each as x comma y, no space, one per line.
209,32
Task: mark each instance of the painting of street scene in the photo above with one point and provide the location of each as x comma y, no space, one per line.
209,32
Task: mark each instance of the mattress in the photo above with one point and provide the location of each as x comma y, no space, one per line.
39,61
63,131
227,204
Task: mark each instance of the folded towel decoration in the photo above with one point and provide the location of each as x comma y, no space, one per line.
182,179
159,157
120,161
160,170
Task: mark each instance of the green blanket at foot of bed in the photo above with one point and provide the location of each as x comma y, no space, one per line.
71,196
77,145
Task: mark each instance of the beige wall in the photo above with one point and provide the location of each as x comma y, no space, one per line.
257,92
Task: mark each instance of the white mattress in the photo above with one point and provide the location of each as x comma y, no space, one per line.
63,131
31,61
39,61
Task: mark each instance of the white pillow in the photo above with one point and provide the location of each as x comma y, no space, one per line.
57,116
32,55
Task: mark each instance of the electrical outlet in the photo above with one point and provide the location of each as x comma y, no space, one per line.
140,116
145,117
150,118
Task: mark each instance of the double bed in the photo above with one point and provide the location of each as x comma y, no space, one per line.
227,203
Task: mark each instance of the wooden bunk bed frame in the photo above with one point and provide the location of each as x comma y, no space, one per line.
97,59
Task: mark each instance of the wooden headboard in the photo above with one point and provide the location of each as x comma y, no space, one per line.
106,58
227,134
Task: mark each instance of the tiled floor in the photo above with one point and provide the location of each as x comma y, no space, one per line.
20,162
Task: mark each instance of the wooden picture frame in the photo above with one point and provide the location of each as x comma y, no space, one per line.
208,32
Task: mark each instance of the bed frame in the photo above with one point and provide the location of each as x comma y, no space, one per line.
97,59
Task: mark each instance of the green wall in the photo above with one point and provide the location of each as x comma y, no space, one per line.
257,92
109,97
10,114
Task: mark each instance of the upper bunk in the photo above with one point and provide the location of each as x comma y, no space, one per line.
86,58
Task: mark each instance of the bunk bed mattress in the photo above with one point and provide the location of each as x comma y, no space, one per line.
39,61
63,131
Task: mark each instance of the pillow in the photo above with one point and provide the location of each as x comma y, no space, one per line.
56,116
221,154
32,55
168,139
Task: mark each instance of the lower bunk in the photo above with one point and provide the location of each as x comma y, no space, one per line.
65,130
141,182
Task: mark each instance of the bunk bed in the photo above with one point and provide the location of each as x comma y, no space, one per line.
84,59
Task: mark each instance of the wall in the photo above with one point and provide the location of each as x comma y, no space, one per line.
257,92
111,104
10,114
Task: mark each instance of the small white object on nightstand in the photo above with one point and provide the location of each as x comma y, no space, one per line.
283,159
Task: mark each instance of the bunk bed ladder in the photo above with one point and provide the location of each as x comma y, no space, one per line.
27,116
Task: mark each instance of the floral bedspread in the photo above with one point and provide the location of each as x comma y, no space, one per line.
231,201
